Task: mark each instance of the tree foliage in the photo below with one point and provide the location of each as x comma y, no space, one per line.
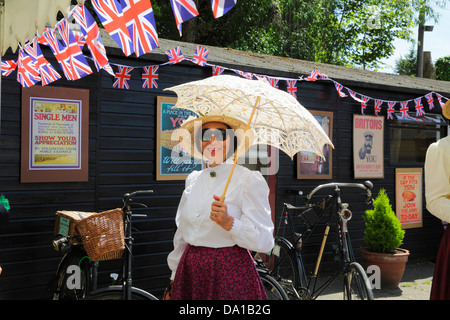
356,33
443,68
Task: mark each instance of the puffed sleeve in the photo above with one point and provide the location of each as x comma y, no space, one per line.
254,229
179,244
437,181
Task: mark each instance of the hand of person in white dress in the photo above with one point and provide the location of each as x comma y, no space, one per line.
219,214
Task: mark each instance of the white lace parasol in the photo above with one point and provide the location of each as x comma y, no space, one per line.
278,120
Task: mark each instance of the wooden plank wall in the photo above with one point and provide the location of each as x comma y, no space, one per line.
122,154
321,95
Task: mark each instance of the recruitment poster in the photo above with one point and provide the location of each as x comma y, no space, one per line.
409,197
173,162
368,147
55,134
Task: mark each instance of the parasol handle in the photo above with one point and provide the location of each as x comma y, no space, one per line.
222,197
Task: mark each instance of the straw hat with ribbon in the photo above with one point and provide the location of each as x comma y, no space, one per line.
190,132
446,110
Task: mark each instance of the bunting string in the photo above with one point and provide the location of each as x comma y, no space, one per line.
131,24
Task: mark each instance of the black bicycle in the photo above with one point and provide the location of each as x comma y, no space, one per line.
67,286
273,289
289,269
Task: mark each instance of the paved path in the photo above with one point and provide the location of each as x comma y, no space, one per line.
415,285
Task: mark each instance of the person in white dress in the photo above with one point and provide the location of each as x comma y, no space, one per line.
211,258
437,193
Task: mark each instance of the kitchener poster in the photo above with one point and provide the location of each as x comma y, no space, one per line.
368,151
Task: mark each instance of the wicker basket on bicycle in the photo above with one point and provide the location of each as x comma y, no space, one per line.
102,235
66,222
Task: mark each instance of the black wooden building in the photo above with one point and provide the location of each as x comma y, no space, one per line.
122,158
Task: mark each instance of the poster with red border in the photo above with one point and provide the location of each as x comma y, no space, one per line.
408,195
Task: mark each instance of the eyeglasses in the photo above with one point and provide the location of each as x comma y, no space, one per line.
219,134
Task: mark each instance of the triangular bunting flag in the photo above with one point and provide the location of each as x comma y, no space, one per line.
111,16
140,21
150,77
122,77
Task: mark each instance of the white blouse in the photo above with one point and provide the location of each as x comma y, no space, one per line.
437,179
247,200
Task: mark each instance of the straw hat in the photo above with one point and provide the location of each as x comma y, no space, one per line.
190,132
446,110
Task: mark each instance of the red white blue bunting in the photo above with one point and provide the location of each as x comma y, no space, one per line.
131,24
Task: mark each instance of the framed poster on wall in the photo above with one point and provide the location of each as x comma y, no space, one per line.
312,166
55,130
172,162
368,147
408,196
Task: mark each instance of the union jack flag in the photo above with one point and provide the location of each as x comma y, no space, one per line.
364,103
8,66
175,55
378,104
292,87
122,77
419,107
111,16
440,100
404,109
391,109
27,74
247,75
200,56
353,95
273,82
183,10
339,88
429,98
150,77
316,75
217,70
94,42
46,71
220,7
59,51
140,21
78,63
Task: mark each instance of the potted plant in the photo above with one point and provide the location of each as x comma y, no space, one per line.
383,236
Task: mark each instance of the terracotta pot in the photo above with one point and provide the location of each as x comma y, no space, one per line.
392,265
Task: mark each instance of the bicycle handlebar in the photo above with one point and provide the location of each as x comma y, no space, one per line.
366,185
127,197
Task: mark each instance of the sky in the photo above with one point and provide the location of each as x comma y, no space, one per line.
437,41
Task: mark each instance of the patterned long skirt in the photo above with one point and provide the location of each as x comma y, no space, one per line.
440,288
217,274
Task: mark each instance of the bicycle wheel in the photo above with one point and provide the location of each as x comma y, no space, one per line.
273,289
286,270
66,286
116,293
356,283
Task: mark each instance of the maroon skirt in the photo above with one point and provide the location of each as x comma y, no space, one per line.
440,288
217,274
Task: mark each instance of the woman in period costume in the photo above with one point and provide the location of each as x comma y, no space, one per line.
211,258
437,192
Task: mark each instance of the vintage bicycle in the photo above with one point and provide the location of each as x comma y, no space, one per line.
76,253
289,269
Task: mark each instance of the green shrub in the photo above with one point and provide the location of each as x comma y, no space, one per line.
383,231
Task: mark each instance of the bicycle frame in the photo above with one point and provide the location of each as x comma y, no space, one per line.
344,243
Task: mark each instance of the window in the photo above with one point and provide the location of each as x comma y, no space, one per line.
411,136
